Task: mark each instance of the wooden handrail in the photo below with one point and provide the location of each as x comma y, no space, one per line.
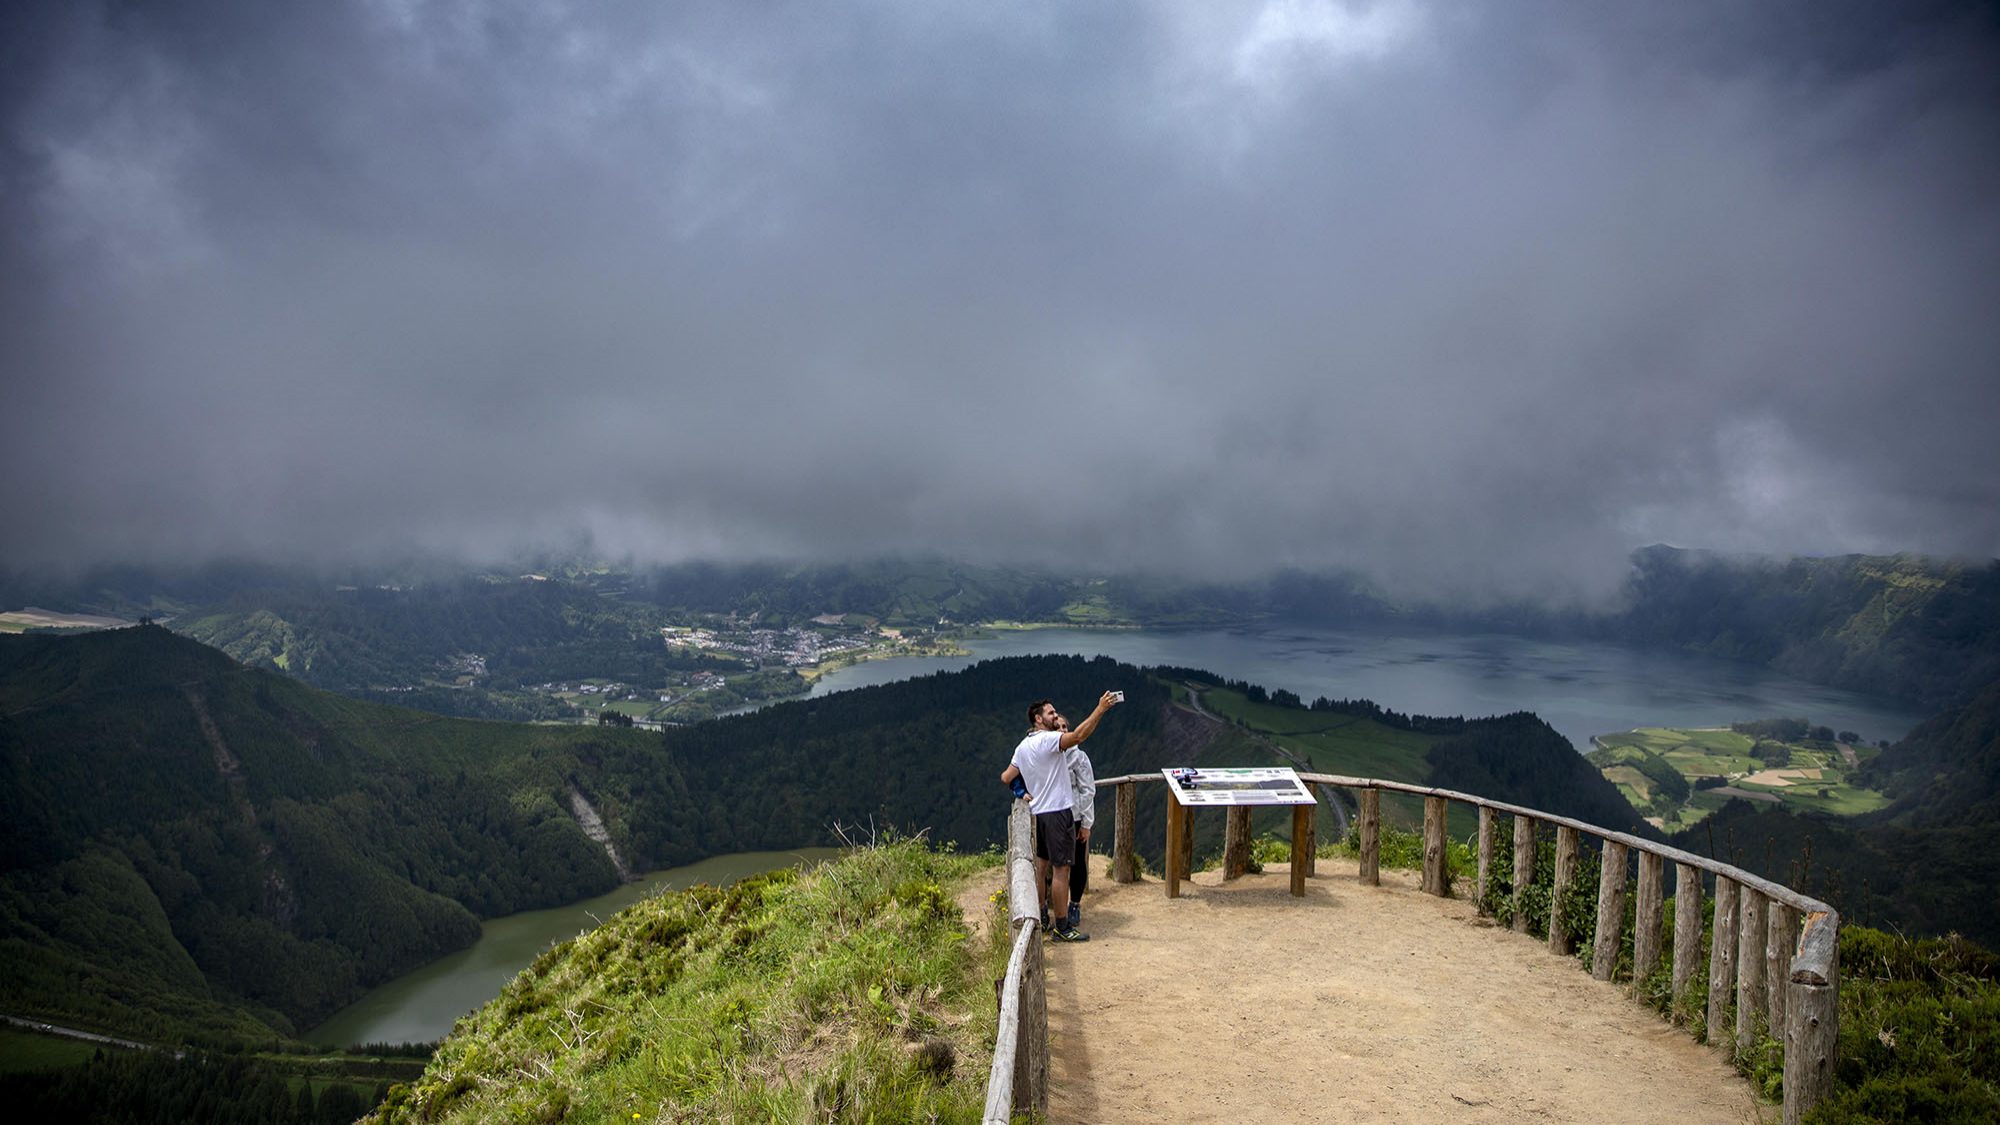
1000,1082
1019,1076
1754,918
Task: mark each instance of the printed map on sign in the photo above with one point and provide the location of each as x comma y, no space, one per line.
1264,785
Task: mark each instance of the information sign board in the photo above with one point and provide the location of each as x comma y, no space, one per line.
1222,788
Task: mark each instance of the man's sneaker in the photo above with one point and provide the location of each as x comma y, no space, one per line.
1070,933
1075,917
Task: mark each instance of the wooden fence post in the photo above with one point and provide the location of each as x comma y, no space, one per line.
1123,867
1236,843
1031,1051
1648,912
1312,828
1687,934
1177,827
1489,831
1781,939
1610,911
1750,936
1187,843
1567,840
1812,1038
1721,960
1371,836
1437,877
1304,840
1524,868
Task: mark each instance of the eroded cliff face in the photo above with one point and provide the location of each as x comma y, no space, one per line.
593,827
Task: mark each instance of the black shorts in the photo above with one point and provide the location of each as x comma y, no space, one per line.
1055,837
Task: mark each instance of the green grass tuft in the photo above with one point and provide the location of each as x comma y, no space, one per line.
850,992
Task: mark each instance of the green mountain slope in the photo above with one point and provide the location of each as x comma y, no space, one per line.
191,845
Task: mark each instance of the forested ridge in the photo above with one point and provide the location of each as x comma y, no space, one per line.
199,851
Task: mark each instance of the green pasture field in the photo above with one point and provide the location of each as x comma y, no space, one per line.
1636,786
1724,753
1094,610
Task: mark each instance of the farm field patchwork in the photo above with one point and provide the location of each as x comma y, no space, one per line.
1675,777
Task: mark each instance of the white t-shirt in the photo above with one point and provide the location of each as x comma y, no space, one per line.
1044,771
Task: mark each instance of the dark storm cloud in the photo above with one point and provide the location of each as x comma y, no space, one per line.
1472,300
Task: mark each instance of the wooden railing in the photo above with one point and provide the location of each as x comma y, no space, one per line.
1019,1079
1772,961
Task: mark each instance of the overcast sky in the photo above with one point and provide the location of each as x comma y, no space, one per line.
1473,297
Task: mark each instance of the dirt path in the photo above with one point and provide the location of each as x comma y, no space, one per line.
1354,1003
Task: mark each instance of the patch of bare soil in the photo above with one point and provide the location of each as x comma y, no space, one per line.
1746,794
975,900
1239,1002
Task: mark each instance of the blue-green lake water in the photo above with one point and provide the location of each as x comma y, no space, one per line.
1581,689
422,1005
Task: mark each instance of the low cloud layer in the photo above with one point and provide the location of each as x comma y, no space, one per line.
1473,299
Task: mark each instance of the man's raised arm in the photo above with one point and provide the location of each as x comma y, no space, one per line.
1088,727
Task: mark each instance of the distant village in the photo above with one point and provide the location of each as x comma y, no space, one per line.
768,663
796,647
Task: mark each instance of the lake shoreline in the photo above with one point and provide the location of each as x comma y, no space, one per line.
422,1005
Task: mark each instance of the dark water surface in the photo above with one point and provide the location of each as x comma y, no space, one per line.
1580,688
423,1005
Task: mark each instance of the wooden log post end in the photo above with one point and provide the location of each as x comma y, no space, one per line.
1568,842
1371,836
1124,860
1722,962
1437,877
1610,911
1524,869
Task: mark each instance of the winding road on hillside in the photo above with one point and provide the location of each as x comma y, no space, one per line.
1238,1002
1328,801
75,1033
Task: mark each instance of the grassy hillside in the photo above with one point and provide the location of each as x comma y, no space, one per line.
847,993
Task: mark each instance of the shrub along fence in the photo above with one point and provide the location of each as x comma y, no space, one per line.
1771,962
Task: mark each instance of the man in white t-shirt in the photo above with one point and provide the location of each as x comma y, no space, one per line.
1082,783
1040,774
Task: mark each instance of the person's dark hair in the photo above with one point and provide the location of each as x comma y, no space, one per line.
1035,711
